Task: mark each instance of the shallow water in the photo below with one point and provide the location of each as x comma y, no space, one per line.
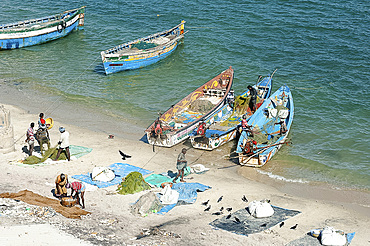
320,49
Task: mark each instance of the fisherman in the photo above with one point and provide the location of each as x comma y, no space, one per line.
245,126
79,189
41,120
64,143
42,136
60,185
181,165
283,127
249,147
30,138
230,98
253,100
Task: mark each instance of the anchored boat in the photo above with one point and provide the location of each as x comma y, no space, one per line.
222,127
142,52
175,125
41,30
271,125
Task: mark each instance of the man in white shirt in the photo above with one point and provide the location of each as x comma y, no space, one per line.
64,143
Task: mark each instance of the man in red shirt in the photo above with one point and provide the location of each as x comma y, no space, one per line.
79,189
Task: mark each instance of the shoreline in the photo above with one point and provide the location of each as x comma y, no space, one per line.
189,221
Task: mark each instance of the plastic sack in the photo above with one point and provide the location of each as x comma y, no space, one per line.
102,174
198,168
169,196
260,209
332,237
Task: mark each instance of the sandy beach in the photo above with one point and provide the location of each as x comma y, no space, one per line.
112,223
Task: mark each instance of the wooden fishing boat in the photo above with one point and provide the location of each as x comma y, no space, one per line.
175,125
142,52
222,127
41,30
271,125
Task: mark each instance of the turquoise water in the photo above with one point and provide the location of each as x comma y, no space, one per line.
320,48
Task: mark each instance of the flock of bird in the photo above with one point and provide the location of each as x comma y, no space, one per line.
236,219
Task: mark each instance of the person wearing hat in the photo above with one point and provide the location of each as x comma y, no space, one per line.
64,143
181,165
42,136
61,185
253,100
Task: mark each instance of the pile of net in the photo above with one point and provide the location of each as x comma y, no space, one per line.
147,204
202,106
50,153
133,183
142,45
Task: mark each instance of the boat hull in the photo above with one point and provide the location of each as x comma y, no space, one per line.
46,32
213,138
266,121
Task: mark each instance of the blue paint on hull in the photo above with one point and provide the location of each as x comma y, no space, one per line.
128,65
43,38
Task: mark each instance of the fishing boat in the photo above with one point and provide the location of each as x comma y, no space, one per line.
41,30
222,127
271,125
175,125
142,52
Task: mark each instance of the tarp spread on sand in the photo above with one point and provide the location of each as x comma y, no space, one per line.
187,194
134,182
74,150
242,223
38,200
158,179
121,170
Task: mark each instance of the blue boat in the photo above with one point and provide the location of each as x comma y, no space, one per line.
223,126
41,30
142,52
271,125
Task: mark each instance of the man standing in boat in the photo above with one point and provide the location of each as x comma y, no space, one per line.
253,100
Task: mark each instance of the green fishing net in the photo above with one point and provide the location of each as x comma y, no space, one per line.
133,183
50,153
143,45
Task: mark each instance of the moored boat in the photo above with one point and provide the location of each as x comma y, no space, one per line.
41,30
144,51
271,125
222,127
175,125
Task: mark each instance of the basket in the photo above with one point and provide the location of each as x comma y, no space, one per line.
68,201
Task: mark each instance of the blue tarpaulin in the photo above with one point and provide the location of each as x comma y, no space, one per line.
121,170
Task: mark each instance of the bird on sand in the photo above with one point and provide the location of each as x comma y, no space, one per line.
217,213
237,220
207,209
229,209
294,227
244,199
124,156
221,209
219,199
263,225
228,217
281,224
205,203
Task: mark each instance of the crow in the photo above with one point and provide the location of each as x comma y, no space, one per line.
228,217
281,224
207,209
263,225
205,203
294,227
216,213
219,199
221,209
229,209
124,156
244,199
237,220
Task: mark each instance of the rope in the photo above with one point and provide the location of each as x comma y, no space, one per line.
70,85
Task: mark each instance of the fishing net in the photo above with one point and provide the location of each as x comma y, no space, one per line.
133,183
202,106
143,45
50,153
148,203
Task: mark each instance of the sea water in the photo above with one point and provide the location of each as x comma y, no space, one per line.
319,48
